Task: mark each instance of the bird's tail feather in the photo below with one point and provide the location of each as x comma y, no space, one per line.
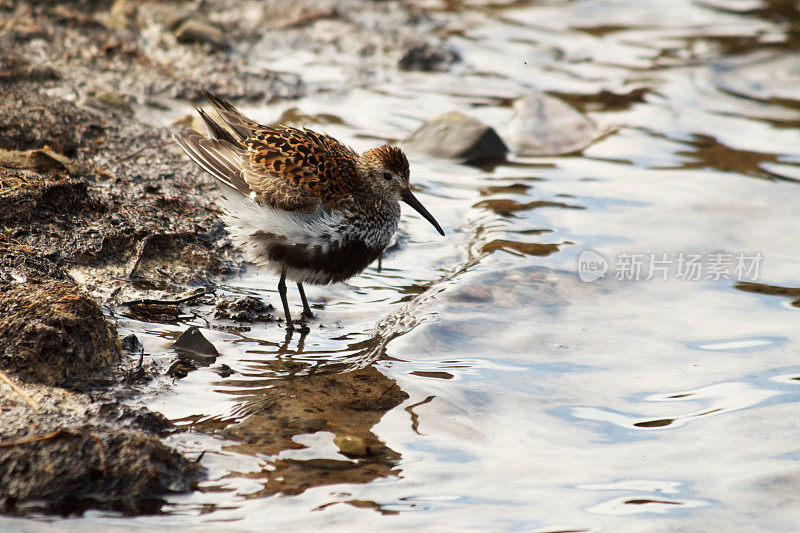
217,131
240,124
219,157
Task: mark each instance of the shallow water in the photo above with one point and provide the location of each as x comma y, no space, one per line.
513,395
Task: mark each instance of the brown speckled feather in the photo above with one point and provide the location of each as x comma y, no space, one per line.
307,160
287,168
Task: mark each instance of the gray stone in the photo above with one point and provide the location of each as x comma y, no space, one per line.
131,343
112,99
545,125
429,57
457,136
198,31
193,343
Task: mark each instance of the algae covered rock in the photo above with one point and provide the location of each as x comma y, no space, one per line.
78,451
54,333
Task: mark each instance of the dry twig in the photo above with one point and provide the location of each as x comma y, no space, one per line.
27,440
147,301
140,150
21,392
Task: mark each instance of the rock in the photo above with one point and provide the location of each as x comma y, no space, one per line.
288,15
79,451
180,369
175,16
122,14
545,125
55,334
131,343
247,309
224,371
24,29
14,68
479,294
428,57
197,31
194,343
113,99
293,115
43,160
192,120
117,470
32,119
351,446
154,312
525,248
457,136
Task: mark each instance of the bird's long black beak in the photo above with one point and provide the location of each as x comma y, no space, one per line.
411,200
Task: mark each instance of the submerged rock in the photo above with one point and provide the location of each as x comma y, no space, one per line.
545,125
454,135
429,57
294,115
351,446
347,404
247,309
55,334
192,342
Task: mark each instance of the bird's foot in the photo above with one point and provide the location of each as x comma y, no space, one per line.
300,327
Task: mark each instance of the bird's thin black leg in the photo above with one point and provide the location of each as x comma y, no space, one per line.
282,291
306,309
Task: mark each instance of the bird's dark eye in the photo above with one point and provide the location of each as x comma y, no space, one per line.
387,176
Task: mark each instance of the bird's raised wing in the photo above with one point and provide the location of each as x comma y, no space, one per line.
286,168
304,159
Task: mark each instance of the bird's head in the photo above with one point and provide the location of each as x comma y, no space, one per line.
386,172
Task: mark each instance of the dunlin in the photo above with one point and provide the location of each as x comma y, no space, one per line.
301,202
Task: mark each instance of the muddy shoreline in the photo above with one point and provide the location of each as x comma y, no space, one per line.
98,209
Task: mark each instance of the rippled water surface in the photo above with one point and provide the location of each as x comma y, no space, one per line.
496,390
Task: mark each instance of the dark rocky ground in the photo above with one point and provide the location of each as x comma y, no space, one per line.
97,207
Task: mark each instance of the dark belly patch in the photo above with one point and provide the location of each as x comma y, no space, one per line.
337,264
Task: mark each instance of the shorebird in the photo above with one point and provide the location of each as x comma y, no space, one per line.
301,202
